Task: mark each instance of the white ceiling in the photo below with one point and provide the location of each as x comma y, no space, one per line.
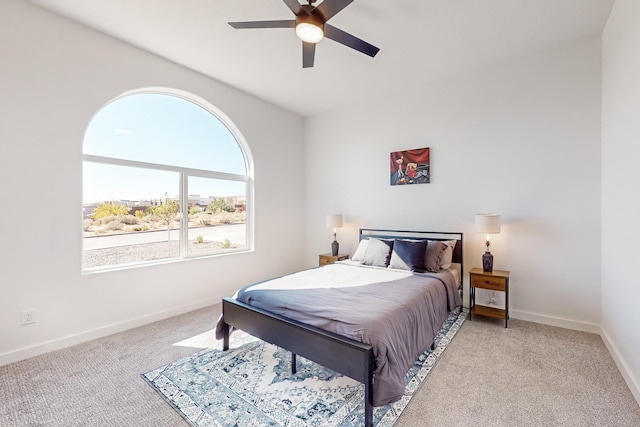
419,40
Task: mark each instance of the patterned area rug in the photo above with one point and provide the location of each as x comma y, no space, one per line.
251,385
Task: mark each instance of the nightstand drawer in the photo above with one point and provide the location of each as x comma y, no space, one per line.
326,259
493,283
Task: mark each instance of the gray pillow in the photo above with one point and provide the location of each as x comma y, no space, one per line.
378,252
434,254
447,255
408,255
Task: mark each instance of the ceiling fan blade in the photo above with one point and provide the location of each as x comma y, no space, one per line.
308,54
294,6
330,8
347,39
264,24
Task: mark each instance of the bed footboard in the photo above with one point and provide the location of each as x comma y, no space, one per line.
348,357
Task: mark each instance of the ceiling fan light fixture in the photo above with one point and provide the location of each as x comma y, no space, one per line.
309,32
309,27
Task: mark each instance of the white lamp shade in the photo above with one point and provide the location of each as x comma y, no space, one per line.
488,223
334,220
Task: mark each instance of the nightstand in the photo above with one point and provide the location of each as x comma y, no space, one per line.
326,259
498,280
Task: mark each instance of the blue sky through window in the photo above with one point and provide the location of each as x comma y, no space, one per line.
161,129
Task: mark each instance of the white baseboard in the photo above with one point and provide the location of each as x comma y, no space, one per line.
68,341
629,378
555,321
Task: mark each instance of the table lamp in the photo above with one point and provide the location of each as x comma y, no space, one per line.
487,223
335,221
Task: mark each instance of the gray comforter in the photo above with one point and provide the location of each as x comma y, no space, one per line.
395,311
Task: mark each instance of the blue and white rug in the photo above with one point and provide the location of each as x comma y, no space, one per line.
251,385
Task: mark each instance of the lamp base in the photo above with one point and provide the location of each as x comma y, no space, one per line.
334,248
487,262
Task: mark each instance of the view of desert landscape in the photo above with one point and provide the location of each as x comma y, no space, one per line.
115,234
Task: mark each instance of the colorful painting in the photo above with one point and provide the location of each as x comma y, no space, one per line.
410,167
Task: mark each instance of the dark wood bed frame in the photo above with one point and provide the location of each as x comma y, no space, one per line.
351,358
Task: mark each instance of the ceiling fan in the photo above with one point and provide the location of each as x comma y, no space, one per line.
311,27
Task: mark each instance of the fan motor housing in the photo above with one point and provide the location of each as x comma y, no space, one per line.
311,16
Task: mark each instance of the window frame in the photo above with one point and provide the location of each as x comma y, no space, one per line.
184,173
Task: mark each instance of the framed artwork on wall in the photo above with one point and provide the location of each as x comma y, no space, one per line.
410,167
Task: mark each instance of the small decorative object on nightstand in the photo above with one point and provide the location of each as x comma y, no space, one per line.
497,280
326,259
334,221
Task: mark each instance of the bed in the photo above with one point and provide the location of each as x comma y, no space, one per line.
367,318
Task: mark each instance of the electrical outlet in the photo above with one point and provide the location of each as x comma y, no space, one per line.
28,317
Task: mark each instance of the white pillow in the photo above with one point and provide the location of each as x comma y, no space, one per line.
362,248
378,252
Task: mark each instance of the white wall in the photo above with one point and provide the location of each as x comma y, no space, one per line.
521,138
620,181
54,75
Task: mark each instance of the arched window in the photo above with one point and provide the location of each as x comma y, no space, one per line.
165,176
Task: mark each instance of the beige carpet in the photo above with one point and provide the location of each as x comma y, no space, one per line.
527,375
